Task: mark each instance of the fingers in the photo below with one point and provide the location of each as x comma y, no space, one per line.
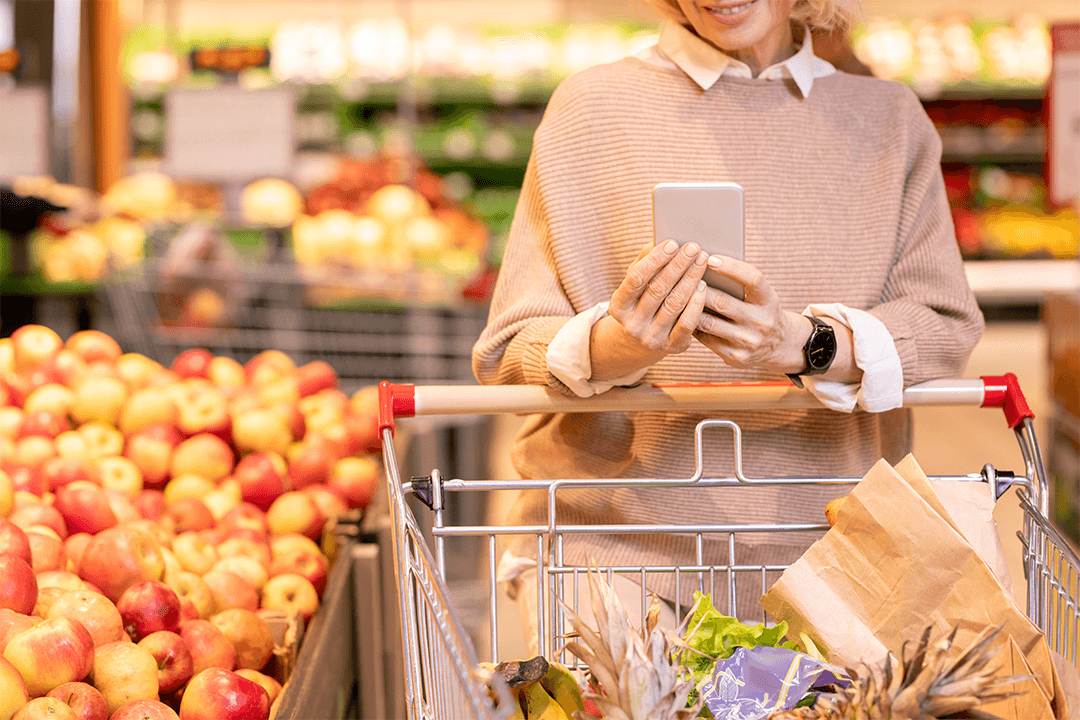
650,261
651,280
687,324
675,300
756,288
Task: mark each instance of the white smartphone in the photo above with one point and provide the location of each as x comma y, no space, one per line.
710,214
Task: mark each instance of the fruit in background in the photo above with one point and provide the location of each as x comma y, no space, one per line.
245,547
51,653
102,439
95,612
329,503
84,507
209,647
45,599
13,540
72,445
120,474
7,494
151,450
250,569
146,407
315,376
190,587
33,451
51,397
187,486
83,699
145,710
203,454
44,423
190,514
93,346
355,479
38,513
192,363
261,430
99,399
203,307
19,590
226,373
136,370
74,547
260,475
60,579
11,420
396,203
230,590
25,479
249,634
118,558
311,460
143,195
244,517
203,409
295,512
270,201
45,708
124,672
173,659
268,365
148,607
150,504
290,593
60,471
269,684
217,694
46,549
12,623
12,689
292,541
33,346
307,563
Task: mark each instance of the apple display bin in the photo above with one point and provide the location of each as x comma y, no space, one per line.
439,655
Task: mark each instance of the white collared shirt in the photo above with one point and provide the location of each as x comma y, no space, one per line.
874,351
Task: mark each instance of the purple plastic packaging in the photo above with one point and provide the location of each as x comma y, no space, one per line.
754,683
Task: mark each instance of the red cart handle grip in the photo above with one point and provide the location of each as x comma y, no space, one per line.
395,401
1004,391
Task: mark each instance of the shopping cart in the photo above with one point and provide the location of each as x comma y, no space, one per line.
439,655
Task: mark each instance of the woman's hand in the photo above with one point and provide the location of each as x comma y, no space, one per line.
661,297
653,313
757,332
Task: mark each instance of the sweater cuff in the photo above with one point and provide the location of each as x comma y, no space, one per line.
569,359
903,336
535,340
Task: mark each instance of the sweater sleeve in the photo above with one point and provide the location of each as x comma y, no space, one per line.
529,305
927,305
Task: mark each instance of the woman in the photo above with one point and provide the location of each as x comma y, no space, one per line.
846,221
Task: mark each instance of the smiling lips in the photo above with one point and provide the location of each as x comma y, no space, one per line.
729,10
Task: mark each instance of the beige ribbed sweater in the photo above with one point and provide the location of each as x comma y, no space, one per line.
844,203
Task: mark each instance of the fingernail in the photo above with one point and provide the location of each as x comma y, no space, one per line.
701,286
715,262
670,247
701,259
690,249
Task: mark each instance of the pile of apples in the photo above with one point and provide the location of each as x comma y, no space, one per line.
153,519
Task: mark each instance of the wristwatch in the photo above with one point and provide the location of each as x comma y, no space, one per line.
819,350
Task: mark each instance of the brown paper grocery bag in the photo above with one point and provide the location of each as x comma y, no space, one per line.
892,565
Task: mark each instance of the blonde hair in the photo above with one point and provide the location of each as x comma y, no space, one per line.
828,15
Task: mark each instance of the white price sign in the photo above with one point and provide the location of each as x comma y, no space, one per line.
24,132
1063,148
229,134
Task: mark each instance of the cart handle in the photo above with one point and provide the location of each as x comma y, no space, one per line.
407,400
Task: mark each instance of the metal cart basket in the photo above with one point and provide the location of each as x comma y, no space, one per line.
439,654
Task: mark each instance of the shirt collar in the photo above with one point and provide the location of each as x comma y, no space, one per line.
705,63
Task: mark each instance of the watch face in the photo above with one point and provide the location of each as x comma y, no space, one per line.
822,350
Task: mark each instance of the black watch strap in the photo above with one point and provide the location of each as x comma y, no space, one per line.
818,352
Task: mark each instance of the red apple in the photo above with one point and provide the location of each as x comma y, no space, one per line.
150,503
173,659
310,461
26,479
69,368
84,700
205,455
59,471
44,423
148,607
13,540
18,586
118,558
124,673
295,512
269,684
151,450
51,653
93,346
245,516
59,579
12,623
226,373
74,547
290,593
7,494
38,513
46,550
268,365
245,547
99,399
355,479
94,611
249,635
192,592
209,647
12,689
363,434
192,363
203,408
217,694
33,346
261,476
84,507
231,590
190,514
302,561
329,502
145,710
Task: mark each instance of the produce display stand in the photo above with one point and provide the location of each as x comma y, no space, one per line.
439,654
